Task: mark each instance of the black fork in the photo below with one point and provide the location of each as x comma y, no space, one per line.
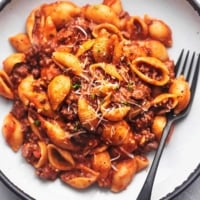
188,66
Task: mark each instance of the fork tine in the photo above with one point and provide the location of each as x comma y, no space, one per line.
195,77
187,76
177,68
192,74
184,66
193,82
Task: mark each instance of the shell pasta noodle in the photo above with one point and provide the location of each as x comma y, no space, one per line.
91,86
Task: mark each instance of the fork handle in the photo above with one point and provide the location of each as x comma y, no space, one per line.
145,193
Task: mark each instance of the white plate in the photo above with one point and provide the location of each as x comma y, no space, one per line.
179,158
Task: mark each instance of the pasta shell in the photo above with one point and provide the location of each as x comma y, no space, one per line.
49,29
80,178
20,42
116,114
25,89
30,22
40,28
68,61
38,31
129,145
57,135
155,64
58,89
99,149
160,31
100,30
43,155
34,124
64,48
155,49
12,132
87,115
159,123
5,86
101,50
115,5
112,71
10,62
136,27
133,50
60,159
107,68
124,173
118,52
115,133
100,13
87,45
61,12
104,88
168,100
142,162
180,88
27,94
113,114
101,163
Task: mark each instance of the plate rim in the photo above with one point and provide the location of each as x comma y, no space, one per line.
179,189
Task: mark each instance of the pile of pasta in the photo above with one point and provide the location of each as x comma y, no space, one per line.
91,86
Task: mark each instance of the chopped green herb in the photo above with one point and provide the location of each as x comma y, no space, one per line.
130,85
125,103
128,64
76,86
76,126
37,123
92,96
